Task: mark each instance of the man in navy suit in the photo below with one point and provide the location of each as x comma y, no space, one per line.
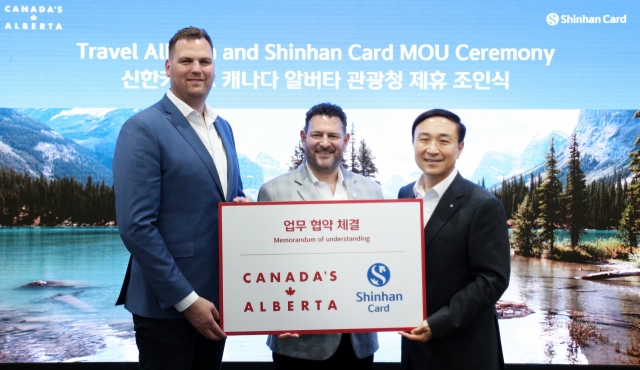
467,255
173,163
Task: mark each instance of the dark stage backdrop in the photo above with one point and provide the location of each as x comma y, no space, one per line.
520,74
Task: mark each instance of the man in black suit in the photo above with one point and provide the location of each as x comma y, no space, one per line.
467,255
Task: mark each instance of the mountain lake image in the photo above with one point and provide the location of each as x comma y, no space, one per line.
569,181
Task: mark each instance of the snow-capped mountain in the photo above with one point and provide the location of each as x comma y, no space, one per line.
96,129
493,167
270,166
534,154
250,173
392,186
32,147
605,139
496,166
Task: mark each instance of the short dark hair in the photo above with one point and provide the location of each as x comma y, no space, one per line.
189,33
329,110
462,130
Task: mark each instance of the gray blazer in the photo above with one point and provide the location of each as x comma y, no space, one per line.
297,185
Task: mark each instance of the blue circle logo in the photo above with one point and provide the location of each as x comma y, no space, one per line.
378,274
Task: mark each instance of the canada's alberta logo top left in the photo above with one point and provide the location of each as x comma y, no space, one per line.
23,17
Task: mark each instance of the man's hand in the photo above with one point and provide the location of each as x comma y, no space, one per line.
421,334
241,200
202,315
288,336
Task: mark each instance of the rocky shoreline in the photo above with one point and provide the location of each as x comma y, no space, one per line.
29,336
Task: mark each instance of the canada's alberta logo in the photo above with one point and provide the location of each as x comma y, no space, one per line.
32,17
378,274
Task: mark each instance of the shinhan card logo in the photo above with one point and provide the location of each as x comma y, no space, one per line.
554,19
378,274
32,17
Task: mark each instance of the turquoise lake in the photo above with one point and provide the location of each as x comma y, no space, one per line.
79,322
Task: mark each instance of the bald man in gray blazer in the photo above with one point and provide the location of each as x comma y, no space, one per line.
322,177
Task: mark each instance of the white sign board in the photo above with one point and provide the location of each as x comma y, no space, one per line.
321,267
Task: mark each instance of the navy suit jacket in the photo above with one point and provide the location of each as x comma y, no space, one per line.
167,194
467,269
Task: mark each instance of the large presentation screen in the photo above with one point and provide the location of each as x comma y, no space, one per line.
537,84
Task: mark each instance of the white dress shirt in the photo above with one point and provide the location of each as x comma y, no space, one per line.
431,197
325,191
211,139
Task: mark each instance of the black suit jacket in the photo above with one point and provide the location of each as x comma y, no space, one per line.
467,269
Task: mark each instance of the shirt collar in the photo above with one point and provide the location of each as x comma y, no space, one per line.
315,180
186,110
439,188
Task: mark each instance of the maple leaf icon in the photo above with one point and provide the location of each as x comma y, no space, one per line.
290,291
33,17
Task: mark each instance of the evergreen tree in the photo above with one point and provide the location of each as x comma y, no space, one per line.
629,227
365,161
483,184
575,194
525,239
619,196
343,162
550,192
25,200
533,193
353,153
298,157
511,193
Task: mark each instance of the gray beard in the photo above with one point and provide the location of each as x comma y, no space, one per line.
323,169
